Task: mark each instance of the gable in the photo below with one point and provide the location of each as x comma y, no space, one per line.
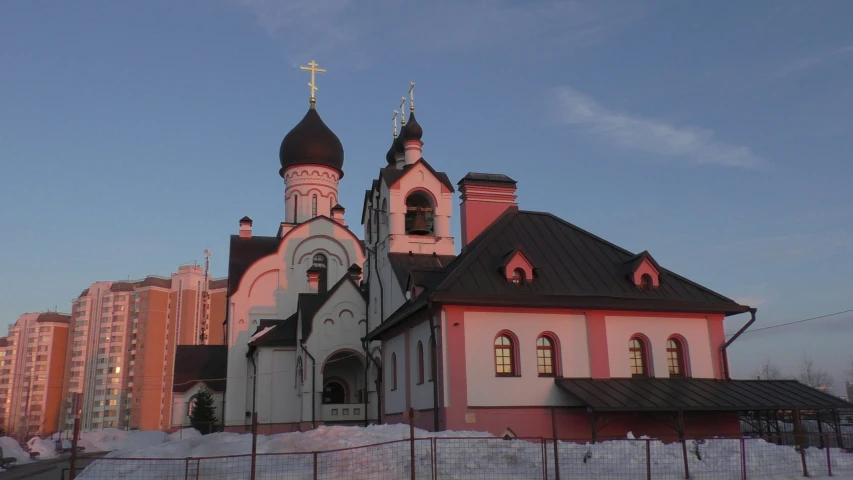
421,169
310,304
517,260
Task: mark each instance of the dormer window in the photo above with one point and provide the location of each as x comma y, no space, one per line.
419,214
517,267
643,271
518,276
646,281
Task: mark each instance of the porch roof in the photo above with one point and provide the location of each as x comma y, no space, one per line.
696,394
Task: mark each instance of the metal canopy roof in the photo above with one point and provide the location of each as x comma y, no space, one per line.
695,394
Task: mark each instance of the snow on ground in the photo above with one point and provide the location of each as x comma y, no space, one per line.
11,448
44,446
456,457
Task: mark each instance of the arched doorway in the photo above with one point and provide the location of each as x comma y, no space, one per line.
334,392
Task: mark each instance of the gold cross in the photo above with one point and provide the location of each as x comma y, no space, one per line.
395,122
312,67
412,96
402,112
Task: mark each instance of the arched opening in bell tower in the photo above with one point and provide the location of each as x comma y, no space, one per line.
420,214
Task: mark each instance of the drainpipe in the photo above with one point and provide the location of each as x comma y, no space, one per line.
725,346
366,372
313,385
254,385
433,366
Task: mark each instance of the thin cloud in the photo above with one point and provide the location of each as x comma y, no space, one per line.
633,132
813,61
385,28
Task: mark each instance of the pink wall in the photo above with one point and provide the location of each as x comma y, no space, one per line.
646,268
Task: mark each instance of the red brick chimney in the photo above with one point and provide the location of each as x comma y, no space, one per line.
485,197
245,227
313,280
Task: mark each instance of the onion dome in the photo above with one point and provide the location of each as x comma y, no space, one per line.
413,129
398,147
389,157
311,142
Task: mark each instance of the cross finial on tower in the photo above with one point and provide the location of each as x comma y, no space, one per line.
313,68
402,112
411,96
395,122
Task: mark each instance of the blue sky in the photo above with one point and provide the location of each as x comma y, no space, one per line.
717,135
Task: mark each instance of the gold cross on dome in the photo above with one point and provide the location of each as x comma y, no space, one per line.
411,96
313,68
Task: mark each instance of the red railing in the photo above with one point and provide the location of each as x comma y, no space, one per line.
435,458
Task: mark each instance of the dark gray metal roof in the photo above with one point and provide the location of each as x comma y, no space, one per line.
696,394
392,175
403,264
486,179
572,269
205,363
283,335
244,252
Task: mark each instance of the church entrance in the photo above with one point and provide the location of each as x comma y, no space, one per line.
334,392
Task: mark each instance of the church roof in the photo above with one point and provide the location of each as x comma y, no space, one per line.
574,269
195,363
404,264
392,175
244,252
311,142
283,333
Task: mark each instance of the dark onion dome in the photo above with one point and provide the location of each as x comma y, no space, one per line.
311,142
413,129
389,157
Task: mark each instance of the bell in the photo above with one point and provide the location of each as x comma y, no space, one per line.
419,224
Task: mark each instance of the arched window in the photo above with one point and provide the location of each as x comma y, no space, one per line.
314,206
320,261
191,405
646,281
504,356
384,211
639,359
393,371
518,276
419,214
431,361
546,356
420,362
675,357
295,208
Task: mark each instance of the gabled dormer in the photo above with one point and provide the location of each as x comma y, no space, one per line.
644,271
517,267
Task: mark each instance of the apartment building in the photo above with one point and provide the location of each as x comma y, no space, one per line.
122,348
32,359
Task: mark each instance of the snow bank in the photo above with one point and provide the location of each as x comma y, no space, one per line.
44,446
11,448
110,439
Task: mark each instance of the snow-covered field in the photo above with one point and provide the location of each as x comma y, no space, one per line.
385,454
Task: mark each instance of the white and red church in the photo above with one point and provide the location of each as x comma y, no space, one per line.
534,327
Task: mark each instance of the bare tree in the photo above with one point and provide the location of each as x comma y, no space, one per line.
767,371
811,375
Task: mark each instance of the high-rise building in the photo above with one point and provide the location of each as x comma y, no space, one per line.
31,372
122,347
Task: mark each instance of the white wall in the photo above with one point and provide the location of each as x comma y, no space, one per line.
277,401
695,331
528,389
395,400
180,405
422,395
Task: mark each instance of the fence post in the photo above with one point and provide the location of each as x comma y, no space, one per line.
187,468
684,456
556,449
73,463
544,459
254,443
412,440
799,440
828,459
434,447
315,465
648,459
742,458
197,468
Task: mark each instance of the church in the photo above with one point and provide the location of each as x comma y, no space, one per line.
534,327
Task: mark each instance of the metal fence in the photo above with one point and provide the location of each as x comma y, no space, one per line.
434,458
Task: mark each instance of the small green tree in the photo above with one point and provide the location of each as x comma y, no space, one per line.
203,416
